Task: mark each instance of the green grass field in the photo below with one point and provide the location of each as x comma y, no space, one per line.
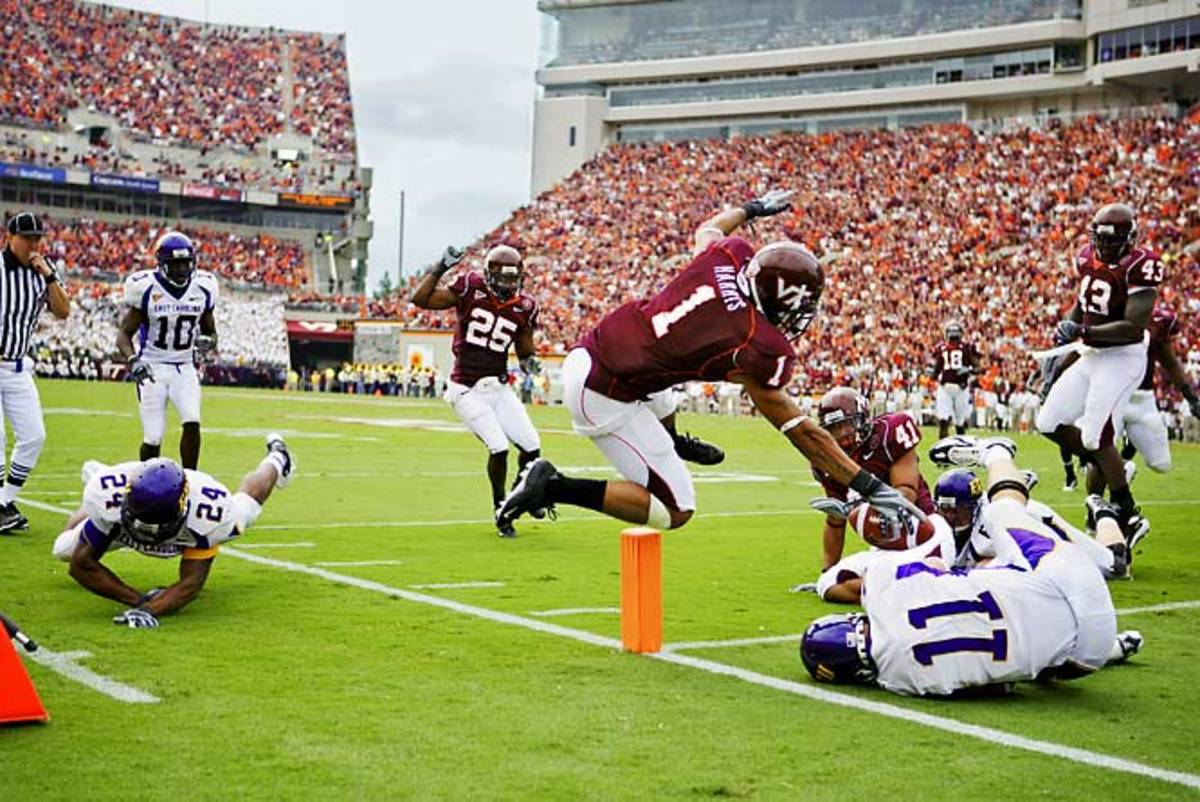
281,681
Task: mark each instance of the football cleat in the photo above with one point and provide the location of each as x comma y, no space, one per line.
505,530
1005,443
1031,479
11,519
1128,643
1130,471
1071,485
528,494
1134,528
693,449
1120,564
956,451
286,463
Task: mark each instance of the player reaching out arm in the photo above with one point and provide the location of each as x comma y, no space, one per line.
730,315
161,510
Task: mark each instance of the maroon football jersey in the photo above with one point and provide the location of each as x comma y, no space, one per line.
1104,289
486,328
1163,328
892,436
698,328
954,361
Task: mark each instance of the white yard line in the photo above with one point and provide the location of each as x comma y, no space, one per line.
350,563
41,505
575,611
1159,608
809,691
455,585
64,663
256,545
474,521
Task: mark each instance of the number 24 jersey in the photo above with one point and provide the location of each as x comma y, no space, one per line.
210,519
172,316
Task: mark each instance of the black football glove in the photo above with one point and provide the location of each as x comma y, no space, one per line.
206,343
1067,331
135,618
774,202
139,371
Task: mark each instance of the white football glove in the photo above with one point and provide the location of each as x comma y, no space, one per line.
136,618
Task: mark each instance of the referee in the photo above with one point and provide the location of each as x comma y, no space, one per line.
27,284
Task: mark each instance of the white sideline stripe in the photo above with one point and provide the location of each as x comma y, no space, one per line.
454,585
723,644
336,563
1157,608
41,505
573,611
819,694
277,545
1084,756
473,521
64,663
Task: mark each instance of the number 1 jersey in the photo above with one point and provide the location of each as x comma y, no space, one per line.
700,327
172,316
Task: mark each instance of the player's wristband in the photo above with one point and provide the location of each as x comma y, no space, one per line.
865,484
792,423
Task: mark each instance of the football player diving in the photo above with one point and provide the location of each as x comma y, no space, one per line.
162,510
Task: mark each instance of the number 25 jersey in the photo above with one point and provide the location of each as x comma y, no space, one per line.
486,329
172,316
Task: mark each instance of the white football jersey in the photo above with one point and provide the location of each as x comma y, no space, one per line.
172,316
210,518
934,632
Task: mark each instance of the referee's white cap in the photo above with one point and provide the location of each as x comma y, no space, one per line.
26,224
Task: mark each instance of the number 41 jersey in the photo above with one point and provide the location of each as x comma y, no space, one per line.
172,316
486,329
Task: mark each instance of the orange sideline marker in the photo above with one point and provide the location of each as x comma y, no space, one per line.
641,590
18,699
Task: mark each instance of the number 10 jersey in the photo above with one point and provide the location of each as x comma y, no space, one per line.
172,316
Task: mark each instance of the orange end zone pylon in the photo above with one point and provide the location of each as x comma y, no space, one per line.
641,590
19,701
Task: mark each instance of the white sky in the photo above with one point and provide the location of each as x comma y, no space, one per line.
443,99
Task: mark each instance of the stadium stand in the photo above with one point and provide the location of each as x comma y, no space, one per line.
928,224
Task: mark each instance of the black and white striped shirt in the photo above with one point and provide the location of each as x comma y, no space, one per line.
22,299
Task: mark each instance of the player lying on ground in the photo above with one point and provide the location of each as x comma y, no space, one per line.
885,446
961,503
1040,610
161,510
730,315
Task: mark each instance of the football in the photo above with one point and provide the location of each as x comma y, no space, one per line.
869,523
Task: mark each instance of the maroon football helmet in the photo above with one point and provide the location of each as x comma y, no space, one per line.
785,281
504,271
1112,232
844,413
954,331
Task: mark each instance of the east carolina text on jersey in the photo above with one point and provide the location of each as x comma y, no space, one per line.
172,316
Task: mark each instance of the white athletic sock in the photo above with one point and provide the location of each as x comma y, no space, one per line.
276,461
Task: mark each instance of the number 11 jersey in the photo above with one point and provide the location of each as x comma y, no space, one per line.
172,316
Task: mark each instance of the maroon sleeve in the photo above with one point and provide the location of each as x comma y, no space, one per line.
769,366
1145,272
460,286
901,435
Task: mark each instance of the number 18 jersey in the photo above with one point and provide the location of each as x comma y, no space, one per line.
172,316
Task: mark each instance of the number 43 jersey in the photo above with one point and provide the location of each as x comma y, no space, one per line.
210,519
172,316
487,327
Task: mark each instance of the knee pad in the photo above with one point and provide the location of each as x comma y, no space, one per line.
659,516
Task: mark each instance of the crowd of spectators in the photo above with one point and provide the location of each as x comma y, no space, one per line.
252,346
923,225
172,81
96,249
